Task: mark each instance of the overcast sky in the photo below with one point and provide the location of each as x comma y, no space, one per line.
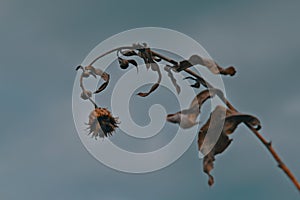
41,156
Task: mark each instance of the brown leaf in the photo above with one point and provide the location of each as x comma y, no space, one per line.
128,53
233,120
124,64
153,88
221,121
187,118
146,55
154,67
208,63
196,84
105,77
78,67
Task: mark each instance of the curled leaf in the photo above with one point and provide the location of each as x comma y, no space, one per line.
233,120
146,55
154,67
187,118
78,67
94,71
128,53
224,121
104,85
173,80
124,64
196,84
153,88
208,63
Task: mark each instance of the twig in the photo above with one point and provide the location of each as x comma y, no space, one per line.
267,144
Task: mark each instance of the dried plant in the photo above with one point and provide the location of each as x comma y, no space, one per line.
103,124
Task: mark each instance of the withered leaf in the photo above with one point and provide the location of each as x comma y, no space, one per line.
78,67
154,67
94,71
128,53
124,64
196,84
104,85
208,63
187,118
167,68
221,121
133,62
233,120
153,88
145,54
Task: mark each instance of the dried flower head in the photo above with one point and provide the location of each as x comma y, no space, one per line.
102,123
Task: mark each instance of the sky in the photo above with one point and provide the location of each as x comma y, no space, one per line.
41,155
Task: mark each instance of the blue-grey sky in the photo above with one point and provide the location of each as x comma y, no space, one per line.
42,41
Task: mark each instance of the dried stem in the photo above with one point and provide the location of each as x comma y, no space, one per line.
267,144
108,52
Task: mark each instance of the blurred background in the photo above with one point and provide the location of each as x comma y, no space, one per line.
41,43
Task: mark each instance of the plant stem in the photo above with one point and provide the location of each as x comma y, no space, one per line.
108,52
267,144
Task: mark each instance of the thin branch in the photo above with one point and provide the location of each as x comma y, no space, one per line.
267,144
108,52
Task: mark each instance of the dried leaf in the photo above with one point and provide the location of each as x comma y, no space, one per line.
154,67
171,76
187,118
104,85
145,54
207,62
195,85
226,121
233,120
124,64
128,53
153,88
94,71
78,67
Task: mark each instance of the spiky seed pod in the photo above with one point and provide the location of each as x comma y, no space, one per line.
102,123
